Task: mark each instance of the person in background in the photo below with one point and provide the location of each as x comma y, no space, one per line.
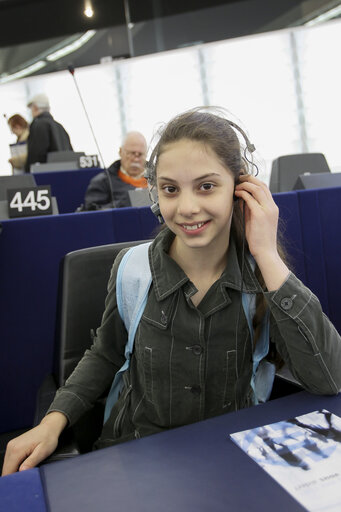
125,174
20,127
46,134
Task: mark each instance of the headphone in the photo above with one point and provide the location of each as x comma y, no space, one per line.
149,173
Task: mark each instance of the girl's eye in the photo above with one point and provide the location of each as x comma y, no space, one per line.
207,186
169,189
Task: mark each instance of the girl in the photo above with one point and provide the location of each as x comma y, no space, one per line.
193,354
20,127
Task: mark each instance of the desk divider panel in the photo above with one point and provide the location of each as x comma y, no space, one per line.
327,248
31,250
68,187
313,246
290,227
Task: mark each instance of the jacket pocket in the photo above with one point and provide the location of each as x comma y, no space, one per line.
230,378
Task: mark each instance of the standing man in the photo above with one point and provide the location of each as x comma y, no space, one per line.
45,133
125,174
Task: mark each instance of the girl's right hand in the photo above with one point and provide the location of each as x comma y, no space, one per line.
29,449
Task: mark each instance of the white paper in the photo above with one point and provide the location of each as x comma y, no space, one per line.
303,455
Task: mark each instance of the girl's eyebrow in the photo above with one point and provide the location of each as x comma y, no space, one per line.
203,177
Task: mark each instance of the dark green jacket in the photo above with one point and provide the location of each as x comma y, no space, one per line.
191,363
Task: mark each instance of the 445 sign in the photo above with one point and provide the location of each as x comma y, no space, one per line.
28,202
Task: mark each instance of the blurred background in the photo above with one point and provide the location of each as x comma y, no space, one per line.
274,66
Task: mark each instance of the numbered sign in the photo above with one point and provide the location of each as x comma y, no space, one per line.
88,161
28,202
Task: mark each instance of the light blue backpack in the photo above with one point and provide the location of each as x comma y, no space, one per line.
132,285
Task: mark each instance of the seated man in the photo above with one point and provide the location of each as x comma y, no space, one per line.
125,174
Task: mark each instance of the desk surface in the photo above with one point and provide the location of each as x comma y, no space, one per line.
192,468
22,492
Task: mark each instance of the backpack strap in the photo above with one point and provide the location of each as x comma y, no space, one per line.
132,285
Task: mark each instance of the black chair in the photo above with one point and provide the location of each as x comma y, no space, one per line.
82,290
286,169
318,180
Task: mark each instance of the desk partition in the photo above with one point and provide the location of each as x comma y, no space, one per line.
31,250
68,187
320,214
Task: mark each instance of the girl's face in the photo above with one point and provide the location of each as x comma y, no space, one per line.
16,129
195,194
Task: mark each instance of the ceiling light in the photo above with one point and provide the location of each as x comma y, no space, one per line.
23,72
88,10
328,15
71,47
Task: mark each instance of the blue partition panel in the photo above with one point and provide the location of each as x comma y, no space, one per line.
320,212
290,228
149,224
31,250
67,186
30,254
313,246
135,224
330,219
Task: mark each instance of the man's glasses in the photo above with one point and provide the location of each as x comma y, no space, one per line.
132,154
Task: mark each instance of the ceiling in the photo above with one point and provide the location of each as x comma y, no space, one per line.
31,29
42,19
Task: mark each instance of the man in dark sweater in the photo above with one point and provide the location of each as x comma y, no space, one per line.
125,174
45,133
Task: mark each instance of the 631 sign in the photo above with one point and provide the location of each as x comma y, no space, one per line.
88,161
28,202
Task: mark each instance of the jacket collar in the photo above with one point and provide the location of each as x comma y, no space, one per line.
44,115
169,277
115,167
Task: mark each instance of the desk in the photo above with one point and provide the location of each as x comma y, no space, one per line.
195,468
22,492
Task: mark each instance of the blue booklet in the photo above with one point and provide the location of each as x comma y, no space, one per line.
303,455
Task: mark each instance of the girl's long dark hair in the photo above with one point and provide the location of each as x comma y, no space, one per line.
210,127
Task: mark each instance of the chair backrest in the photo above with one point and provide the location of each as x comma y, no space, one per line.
15,181
318,180
286,169
64,156
83,288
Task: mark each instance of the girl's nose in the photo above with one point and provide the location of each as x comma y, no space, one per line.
188,204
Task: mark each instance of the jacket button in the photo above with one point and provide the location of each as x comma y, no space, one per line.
196,390
197,350
286,303
163,318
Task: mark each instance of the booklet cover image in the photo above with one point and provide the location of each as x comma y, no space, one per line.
303,455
